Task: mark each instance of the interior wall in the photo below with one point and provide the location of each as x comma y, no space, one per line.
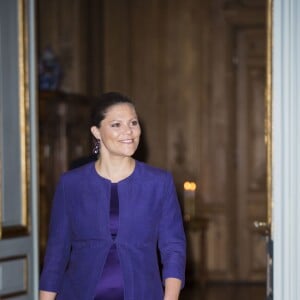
73,30
178,61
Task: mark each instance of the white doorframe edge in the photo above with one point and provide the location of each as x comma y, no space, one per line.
286,149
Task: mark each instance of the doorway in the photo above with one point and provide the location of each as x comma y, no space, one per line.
196,70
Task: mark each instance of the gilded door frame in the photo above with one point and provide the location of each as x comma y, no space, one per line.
19,227
268,116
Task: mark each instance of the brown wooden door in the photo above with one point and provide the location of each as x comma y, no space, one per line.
251,193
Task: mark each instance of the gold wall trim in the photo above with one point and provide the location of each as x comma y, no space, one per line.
22,228
268,116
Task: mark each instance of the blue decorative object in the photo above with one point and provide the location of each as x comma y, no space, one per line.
50,72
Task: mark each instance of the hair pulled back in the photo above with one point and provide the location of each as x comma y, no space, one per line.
104,102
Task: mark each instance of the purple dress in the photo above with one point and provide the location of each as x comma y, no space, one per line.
111,285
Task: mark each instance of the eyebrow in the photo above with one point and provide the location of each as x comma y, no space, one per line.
120,120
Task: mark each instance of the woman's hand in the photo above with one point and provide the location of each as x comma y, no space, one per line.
172,289
44,295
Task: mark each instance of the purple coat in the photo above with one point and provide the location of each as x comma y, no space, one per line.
80,238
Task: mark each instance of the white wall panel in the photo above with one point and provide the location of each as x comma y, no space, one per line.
286,149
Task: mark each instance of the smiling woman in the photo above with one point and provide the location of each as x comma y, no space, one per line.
118,134
109,217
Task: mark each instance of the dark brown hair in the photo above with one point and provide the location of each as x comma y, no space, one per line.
104,102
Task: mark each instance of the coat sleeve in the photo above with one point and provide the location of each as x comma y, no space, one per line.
171,241
59,243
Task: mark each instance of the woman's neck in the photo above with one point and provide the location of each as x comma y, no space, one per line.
115,170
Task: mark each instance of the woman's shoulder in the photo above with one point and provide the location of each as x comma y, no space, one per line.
78,173
145,169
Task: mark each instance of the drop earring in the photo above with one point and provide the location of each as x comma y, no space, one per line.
96,149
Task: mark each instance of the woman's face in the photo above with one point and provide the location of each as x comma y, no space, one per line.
119,131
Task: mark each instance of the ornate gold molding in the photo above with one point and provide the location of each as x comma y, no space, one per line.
24,107
268,103
22,227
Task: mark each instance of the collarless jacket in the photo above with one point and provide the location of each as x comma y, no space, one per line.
79,236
